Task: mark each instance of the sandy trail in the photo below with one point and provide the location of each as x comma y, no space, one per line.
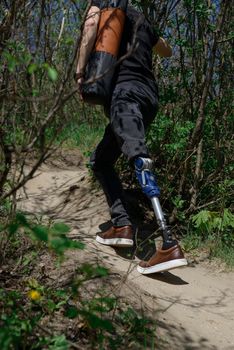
194,305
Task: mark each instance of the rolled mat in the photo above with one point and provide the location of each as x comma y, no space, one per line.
100,68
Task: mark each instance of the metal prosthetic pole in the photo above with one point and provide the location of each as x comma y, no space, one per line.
160,219
148,182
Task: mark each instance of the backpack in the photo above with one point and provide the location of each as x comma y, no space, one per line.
97,85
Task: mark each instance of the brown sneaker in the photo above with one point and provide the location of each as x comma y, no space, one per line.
163,260
117,236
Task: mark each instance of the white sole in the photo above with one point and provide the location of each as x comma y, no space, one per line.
117,242
169,265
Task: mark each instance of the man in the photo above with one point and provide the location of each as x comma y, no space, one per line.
131,109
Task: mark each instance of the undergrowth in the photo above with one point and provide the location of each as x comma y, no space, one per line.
41,310
85,137
213,231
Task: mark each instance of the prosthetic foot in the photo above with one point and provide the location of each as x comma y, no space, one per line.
171,255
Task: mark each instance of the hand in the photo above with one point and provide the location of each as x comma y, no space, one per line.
162,48
79,78
80,82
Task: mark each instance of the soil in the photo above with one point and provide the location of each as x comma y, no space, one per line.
193,306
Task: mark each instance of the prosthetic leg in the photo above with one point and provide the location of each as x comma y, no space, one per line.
171,255
148,182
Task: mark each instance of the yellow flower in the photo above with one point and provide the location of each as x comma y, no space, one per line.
34,295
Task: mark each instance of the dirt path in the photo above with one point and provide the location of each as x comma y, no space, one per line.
194,305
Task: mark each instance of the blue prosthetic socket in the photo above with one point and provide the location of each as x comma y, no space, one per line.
146,178
148,182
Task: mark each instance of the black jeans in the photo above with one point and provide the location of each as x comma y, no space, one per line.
133,107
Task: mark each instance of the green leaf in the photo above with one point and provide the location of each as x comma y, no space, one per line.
102,304
101,271
69,41
72,312
52,73
201,218
58,245
41,232
59,304
51,305
21,218
60,227
12,228
32,68
217,223
11,61
228,218
77,245
35,92
96,322
25,326
59,342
